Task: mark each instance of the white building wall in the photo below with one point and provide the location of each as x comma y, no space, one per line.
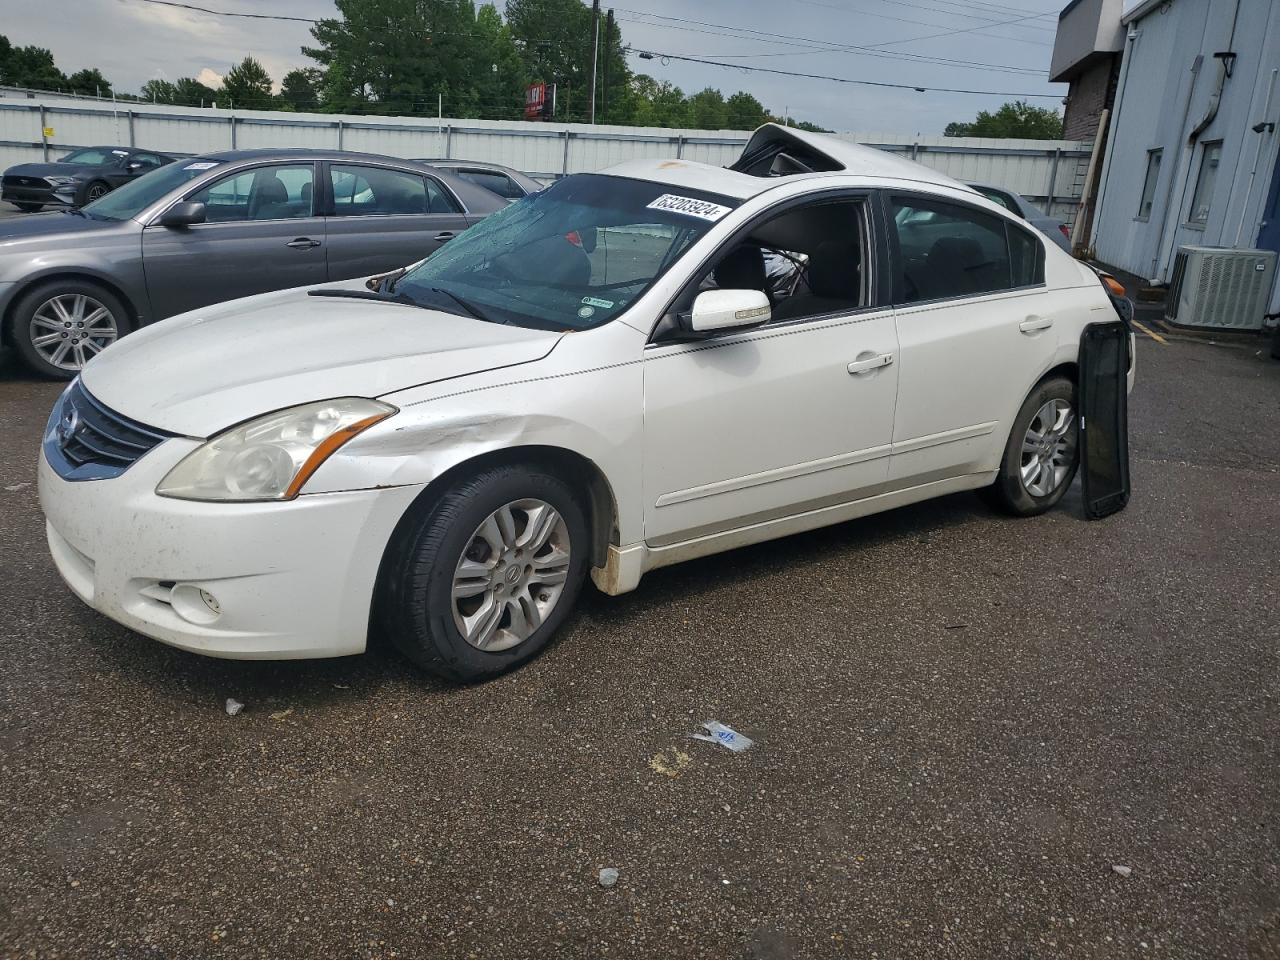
1160,100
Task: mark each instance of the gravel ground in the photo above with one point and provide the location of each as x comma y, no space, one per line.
963,723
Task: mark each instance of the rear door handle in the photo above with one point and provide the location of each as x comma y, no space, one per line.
1035,324
445,236
303,243
868,364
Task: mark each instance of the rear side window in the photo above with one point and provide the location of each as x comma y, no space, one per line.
360,191
949,250
499,183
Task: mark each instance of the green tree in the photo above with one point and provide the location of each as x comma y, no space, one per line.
248,85
90,82
745,112
1015,119
29,67
190,92
657,103
300,88
159,91
707,110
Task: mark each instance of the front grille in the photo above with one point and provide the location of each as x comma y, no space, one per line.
25,182
86,440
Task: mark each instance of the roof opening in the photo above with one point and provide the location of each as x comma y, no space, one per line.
774,151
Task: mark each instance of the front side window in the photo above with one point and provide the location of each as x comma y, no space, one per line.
809,261
949,250
571,257
282,192
1200,200
1154,158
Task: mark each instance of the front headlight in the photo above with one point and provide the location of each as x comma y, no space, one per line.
60,181
270,458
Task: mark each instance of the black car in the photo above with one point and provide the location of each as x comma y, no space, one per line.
80,177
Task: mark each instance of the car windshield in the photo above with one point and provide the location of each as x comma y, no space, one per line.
571,257
95,156
135,196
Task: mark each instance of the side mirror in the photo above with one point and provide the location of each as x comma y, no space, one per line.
183,214
727,309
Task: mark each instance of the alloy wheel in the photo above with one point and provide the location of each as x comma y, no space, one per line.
511,574
1047,448
96,192
70,328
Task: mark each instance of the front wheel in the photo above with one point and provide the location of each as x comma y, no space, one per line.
480,583
1042,454
96,191
60,325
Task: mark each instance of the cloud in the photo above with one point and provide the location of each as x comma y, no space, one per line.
209,78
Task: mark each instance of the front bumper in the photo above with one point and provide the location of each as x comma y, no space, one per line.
43,195
287,580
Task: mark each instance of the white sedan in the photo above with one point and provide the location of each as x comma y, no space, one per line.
600,379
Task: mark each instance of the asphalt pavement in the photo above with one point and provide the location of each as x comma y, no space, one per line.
974,737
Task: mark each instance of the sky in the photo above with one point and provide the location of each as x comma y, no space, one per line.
133,41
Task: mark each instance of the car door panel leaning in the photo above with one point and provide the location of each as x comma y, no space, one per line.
407,455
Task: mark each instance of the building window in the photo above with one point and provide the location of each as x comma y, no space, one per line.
1149,184
1200,200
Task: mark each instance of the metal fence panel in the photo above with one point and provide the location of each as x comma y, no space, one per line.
1040,170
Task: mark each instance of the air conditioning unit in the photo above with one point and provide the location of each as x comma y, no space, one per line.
1220,288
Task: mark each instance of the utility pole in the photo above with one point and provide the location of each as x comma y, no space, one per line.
608,52
595,53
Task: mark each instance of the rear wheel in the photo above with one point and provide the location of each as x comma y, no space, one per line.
1041,456
479,584
59,326
29,207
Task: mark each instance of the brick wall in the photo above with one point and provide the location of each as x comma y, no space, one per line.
1092,91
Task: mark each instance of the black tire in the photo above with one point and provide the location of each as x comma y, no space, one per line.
1009,493
95,190
1275,342
29,207
24,310
415,606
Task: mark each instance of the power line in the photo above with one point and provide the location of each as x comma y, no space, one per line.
649,54
227,13
951,33
924,23
811,43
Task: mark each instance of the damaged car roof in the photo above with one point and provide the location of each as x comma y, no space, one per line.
775,152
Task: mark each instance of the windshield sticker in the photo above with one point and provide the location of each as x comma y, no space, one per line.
701,209
603,304
121,153
203,165
586,313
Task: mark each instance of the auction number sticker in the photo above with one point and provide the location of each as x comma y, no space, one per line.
702,209
202,165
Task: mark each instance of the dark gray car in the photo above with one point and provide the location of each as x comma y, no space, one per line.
213,228
505,182
1016,203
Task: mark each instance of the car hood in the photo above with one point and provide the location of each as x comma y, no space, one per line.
15,230
200,372
51,170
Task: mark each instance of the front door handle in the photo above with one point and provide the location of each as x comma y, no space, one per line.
303,243
1035,324
867,364
445,236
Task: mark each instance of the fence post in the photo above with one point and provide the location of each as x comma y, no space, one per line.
129,113
915,150
1053,181
564,163
680,147
448,141
44,141
340,125
233,131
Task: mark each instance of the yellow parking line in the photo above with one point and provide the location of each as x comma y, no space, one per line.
1150,333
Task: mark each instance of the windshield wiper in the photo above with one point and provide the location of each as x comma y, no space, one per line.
466,305
367,295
